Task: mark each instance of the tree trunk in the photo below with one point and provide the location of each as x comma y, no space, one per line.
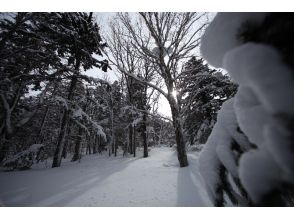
95,145
112,127
7,129
112,148
182,156
64,151
99,144
61,139
109,148
160,134
134,140
144,135
65,121
39,137
77,154
4,148
115,148
130,142
90,142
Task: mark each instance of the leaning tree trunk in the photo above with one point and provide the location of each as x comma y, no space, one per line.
182,156
61,140
40,138
65,121
144,135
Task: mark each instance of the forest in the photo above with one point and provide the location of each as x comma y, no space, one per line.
181,95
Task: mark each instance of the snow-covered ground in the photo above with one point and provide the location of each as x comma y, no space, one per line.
102,181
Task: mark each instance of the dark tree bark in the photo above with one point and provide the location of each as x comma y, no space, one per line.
39,137
4,149
182,156
77,153
64,151
7,128
95,145
61,139
130,142
144,135
115,147
134,140
65,120
90,142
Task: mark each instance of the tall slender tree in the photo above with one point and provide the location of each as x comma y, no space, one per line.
165,39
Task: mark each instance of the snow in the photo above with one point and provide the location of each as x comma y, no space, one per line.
137,121
62,101
221,35
262,102
225,155
99,130
250,114
280,147
263,109
258,173
261,68
227,117
217,150
102,181
194,147
80,114
209,163
33,149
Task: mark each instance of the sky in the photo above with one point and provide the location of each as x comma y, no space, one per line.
163,108
103,20
112,75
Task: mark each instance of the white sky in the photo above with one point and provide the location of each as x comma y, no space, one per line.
103,19
112,75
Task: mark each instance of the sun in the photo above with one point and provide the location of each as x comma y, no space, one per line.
175,93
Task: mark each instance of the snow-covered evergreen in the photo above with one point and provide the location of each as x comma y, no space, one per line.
202,91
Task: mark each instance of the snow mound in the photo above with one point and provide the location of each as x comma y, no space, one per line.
258,173
23,159
262,109
221,35
261,68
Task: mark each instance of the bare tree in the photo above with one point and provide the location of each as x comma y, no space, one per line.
165,40
131,64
